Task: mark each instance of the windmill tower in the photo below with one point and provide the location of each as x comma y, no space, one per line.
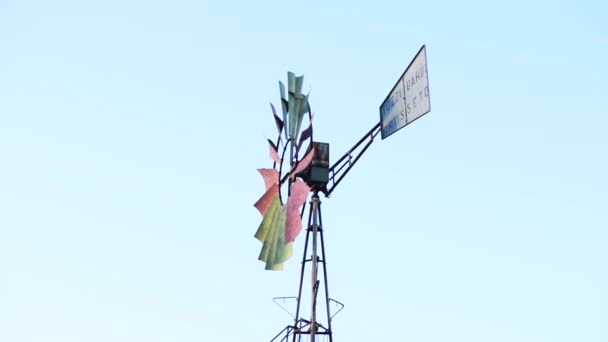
310,173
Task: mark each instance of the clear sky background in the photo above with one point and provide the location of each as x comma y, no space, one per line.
130,134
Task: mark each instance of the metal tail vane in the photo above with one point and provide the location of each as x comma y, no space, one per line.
282,220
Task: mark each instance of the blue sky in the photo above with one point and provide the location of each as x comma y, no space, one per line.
130,134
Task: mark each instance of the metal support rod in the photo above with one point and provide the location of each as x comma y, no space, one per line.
335,171
327,299
302,271
371,131
315,227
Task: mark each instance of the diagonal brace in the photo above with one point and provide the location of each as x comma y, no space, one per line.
348,160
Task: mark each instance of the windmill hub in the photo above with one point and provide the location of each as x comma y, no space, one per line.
317,174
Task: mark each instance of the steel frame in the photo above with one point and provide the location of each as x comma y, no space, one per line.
314,236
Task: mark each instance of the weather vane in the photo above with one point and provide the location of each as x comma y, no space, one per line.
300,167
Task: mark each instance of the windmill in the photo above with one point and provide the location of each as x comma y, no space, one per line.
301,168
